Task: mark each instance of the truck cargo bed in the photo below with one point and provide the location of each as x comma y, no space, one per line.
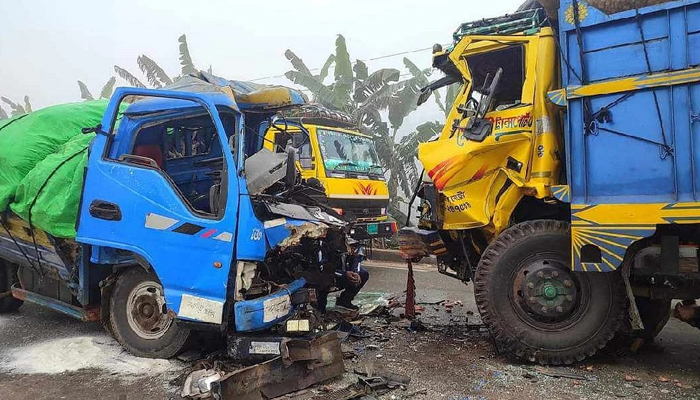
633,97
35,249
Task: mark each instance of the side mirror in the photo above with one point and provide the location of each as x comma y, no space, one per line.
306,163
298,140
291,176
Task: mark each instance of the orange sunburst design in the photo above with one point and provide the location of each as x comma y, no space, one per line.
446,170
479,175
369,189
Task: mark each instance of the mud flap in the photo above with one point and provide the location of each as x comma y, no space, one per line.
302,363
634,316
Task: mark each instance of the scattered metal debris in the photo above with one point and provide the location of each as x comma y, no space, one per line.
561,373
349,393
302,363
198,383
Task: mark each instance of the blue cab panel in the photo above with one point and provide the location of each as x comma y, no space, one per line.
190,252
264,312
636,146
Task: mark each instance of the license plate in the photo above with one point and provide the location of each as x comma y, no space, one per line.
372,229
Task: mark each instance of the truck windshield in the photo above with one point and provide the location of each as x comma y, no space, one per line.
345,152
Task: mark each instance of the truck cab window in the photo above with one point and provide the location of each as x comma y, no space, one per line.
510,88
188,151
184,142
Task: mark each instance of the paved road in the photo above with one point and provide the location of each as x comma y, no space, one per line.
29,340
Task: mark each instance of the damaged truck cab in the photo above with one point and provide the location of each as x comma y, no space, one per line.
185,222
564,183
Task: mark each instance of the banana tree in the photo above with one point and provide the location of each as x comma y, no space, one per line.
368,97
105,93
154,73
16,109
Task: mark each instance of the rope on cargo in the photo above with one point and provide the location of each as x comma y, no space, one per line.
584,75
43,185
21,250
668,149
592,121
12,121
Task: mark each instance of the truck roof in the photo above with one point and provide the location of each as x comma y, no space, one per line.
239,95
150,105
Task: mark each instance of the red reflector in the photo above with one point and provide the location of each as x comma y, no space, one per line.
394,228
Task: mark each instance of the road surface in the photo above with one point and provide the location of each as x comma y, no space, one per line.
453,361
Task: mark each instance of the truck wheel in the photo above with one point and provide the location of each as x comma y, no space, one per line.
139,318
535,306
8,277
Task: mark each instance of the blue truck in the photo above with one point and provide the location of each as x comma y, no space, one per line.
185,223
565,181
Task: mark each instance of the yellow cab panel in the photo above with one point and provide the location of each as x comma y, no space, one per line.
480,180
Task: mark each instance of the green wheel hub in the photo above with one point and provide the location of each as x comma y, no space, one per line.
549,289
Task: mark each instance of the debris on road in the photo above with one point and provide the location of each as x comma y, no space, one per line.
198,383
302,363
562,373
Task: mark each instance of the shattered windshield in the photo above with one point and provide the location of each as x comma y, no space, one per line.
344,152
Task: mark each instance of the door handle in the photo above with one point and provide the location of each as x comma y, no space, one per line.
101,209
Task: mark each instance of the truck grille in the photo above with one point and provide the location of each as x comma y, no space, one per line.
364,212
361,209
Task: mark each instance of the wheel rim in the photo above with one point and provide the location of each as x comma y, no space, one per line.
546,294
146,311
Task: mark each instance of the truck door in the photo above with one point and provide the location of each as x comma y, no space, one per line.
135,198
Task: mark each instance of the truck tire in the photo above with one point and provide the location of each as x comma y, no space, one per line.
139,319
8,277
536,307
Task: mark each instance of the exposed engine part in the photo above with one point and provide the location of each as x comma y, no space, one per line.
245,273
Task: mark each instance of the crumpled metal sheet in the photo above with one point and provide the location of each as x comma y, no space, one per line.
198,383
309,230
247,95
303,363
263,169
294,211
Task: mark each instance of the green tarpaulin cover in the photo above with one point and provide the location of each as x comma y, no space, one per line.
42,160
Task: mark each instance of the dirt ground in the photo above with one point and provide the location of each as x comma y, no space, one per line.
454,359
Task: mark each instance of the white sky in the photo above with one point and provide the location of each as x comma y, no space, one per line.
47,45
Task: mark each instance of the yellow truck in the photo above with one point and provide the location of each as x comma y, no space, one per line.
331,149
564,184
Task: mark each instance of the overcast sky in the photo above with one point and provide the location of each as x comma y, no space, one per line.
47,45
